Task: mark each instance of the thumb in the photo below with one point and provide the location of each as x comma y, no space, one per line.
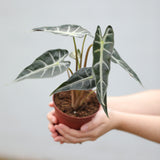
88,126
95,122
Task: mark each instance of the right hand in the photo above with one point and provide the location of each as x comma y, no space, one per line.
90,131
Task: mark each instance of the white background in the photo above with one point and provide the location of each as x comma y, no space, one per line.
24,105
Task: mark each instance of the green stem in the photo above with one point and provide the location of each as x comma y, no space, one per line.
68,74
78,65
70,71
75,47
86,57
82,50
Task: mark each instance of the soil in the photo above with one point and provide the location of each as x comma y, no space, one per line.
89,107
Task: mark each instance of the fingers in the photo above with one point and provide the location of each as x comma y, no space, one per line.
53,131
52,121
52,118
71,132
51,104
54,135
70,135
51,128
61,139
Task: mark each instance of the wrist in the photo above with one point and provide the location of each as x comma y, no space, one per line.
114,118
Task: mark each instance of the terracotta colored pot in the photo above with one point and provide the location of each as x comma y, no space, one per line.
70,121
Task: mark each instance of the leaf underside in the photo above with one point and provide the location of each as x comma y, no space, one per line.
80,80
115,57
102,50
66,30
49,64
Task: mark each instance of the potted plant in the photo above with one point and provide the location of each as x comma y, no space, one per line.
74,100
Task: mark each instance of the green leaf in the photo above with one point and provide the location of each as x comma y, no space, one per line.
49,64
102,50
80,80
66,30
115,57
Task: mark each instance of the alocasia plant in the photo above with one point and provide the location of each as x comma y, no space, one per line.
52,63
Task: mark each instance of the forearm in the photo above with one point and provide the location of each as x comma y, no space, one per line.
145,126
147,102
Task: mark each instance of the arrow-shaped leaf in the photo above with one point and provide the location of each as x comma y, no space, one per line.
49,64
102,50
66,30
80,80
115,57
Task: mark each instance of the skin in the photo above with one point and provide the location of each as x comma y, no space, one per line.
138,114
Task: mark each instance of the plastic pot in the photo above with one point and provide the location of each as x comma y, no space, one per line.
71,121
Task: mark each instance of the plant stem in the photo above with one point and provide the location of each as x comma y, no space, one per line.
76,96
68,74
82,50
75,47
79,96
73,98
86,57
70,71
87,96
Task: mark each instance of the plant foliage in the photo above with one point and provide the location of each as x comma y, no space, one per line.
52,63
49,64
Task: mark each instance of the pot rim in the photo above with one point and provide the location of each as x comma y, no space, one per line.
86,117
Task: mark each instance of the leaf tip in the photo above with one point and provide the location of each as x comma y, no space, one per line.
141,84
106,111
53,92
36,29
98,31
109,26
16,80
109,29
98,27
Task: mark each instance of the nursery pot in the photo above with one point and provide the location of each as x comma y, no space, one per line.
71,121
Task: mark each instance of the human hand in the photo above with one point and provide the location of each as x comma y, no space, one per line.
52,122
90,131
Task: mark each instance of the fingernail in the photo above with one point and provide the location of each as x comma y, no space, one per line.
56,140
61,125
84,128
56,127
51,104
